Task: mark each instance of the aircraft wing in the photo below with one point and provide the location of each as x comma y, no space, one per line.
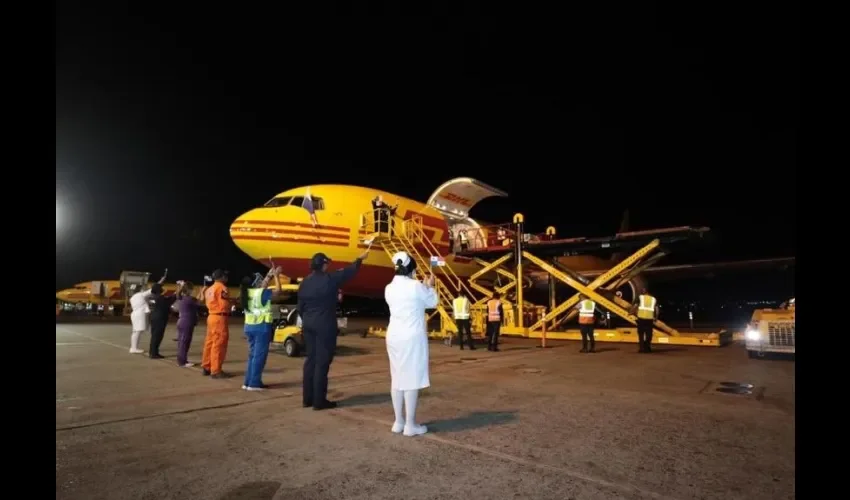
673,272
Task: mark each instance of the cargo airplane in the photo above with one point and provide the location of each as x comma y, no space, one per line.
289,234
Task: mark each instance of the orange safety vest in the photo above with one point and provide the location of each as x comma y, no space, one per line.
493,310
585,315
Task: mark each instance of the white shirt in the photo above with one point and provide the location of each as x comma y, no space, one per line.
139,301
408,299
407,334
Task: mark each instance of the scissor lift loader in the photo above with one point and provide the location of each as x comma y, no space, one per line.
599,289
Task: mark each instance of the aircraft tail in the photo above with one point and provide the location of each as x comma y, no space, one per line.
624,228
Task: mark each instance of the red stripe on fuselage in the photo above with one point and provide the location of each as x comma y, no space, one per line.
290,224
288,240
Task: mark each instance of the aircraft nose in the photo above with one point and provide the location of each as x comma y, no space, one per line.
250,230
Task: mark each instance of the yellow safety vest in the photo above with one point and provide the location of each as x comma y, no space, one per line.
585,314
460,308
493,310
258,312
646,307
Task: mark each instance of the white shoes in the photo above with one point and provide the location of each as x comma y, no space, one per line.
414,430
398,427
255,388
188,365
244,387
136,351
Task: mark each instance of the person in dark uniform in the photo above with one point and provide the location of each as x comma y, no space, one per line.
317,303
160,310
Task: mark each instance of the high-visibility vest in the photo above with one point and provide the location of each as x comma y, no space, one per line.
585,314
258,312
493,310
460,308
646,307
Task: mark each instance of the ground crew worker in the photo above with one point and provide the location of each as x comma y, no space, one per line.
495,313
218,331
258,328
586,321
317,303
460,311
160,312
646,312
464,241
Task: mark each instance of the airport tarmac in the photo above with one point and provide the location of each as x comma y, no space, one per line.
521,423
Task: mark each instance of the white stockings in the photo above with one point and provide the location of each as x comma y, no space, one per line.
134,342
408,426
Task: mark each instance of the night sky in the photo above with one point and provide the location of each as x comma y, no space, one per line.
170,124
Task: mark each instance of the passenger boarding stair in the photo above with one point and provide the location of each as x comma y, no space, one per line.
407,235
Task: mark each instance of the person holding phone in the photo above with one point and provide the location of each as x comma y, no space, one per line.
407,341
187,308
259,326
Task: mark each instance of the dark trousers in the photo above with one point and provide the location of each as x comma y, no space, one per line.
493,333
321,345
258,353
644,329
587,337
184,340
157,333
463,325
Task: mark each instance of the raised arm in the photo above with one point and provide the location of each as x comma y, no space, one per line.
346,273
428,295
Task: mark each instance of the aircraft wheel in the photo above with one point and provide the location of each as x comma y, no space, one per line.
290,347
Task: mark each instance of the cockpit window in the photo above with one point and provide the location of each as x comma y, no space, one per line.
318,203
278,202
296,201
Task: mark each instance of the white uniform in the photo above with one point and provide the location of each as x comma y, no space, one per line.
407,333
139,316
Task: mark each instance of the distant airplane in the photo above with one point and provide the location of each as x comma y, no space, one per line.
295,224
85,293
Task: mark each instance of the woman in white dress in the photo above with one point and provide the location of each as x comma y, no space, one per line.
407,341
139,316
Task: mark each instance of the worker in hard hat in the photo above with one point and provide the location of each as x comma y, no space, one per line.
258,327
495,313
586,322
218,330
407,341
460,312
139,316
647,311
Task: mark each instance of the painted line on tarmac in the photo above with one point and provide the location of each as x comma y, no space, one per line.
624,487
166,361
268,395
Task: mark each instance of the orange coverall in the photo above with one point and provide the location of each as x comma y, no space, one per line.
218,331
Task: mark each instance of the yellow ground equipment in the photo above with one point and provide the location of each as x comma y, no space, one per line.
523,253
407,235
772,330
132,282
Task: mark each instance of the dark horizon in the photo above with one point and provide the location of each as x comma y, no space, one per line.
167,130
